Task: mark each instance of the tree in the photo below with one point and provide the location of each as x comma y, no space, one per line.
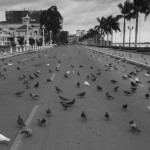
99,27
31,41
20,40
62,37
139,6
125,11
52,20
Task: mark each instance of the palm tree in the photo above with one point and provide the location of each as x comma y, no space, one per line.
115,26
125,10
111,24
139,6
99,28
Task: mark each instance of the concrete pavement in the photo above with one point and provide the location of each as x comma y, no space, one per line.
65,129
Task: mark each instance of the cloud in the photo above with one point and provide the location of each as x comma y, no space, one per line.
78,14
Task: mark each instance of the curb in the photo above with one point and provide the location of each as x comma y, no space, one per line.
13,55
125,59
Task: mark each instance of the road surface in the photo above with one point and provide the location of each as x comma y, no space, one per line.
65,129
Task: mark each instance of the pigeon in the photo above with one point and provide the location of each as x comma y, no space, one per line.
36,85
57,69
99,88
137,80
49,81
63,98
133,127
78,73
18,68
83,115
35,74
67,72
41,121
93,79
133,89
30,77
4,139
50,71
107,117
72,66
113,81
27,86
71,102
58,90
148,107
81,94
20,121
133,84
87,77
125,77
109,96
34,96
86,83
116,88
124,107
64,105
27,132
48,112
78,84
19,93
127,92
147,95
147,75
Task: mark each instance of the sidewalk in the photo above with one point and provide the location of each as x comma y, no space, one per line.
20,53
137,59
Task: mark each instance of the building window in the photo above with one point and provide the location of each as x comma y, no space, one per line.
18,33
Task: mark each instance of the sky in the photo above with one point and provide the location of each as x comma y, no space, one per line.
82,14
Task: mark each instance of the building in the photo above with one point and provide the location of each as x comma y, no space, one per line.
79,34
15,25
72,39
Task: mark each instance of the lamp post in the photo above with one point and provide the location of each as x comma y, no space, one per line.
43,28
130,28
50,37
35,37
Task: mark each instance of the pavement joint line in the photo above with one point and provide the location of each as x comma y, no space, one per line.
24,59
58,65
53,76
19,137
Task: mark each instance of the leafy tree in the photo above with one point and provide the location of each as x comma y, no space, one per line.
20,40
52,20
31,41
62,37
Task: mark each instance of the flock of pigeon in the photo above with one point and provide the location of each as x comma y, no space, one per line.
67,103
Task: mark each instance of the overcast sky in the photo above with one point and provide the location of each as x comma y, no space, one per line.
80,14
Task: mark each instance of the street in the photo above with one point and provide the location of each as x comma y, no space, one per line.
65,129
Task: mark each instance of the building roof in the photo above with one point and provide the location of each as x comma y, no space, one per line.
24,27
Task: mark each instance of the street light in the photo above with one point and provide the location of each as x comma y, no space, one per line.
50,37
43,28
130,28
35,37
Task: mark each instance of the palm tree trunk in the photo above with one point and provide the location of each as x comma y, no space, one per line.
136,30
112,38
107,40
124,31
